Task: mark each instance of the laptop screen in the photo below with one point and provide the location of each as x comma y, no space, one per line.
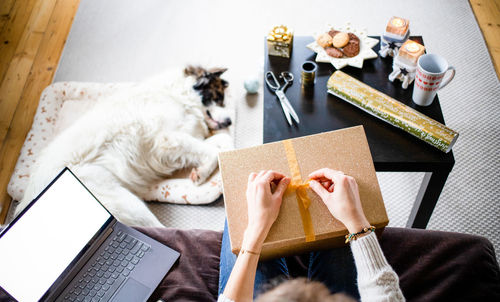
41,244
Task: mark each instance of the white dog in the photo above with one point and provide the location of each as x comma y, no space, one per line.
137,137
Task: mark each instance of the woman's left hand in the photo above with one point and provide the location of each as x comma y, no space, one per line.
263,204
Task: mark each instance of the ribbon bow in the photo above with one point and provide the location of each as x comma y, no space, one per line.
280,34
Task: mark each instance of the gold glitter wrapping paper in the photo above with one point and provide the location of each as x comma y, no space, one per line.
391,111
345,150
280,41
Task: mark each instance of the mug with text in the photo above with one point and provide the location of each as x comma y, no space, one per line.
430,77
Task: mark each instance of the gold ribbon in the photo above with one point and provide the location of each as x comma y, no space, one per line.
299,187
280,34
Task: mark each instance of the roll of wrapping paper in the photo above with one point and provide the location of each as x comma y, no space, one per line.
391,111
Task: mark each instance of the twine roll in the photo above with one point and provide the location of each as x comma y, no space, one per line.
308,73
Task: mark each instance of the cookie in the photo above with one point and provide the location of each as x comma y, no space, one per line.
334,52
351,49
353,38
333,32
324,40
340,40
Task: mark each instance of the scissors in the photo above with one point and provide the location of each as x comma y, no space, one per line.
279,90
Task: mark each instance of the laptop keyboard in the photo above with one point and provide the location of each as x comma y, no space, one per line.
106,272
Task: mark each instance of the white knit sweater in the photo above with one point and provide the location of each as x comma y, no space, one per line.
377,281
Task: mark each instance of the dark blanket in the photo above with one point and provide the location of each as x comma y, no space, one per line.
432,265
195,276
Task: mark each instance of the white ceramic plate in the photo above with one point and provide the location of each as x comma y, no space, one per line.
365,48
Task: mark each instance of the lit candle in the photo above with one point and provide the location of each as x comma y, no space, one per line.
410,51
397,26
398,22
412,47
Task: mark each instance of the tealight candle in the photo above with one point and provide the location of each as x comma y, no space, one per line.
397,26
412,47
396,33
410,51
398,22
404,65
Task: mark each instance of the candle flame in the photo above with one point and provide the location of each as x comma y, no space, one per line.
398,22
412,47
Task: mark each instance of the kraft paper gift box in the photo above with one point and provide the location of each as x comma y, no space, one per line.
300,228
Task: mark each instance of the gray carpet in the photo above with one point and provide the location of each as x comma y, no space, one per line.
118,40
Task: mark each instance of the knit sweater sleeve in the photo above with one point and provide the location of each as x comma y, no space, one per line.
223,298
377,281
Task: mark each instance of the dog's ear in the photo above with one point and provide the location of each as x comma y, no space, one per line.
196,71
217,71
201,82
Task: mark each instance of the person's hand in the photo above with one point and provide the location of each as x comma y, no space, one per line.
340,194
263,205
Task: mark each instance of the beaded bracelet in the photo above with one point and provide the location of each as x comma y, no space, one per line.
350,237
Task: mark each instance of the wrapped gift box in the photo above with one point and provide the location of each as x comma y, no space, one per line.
280,41
345,150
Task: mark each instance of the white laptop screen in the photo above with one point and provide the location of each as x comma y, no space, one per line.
48,237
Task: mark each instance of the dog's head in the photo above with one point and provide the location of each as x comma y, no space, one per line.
211,87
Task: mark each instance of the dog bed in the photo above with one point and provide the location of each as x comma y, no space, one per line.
63,102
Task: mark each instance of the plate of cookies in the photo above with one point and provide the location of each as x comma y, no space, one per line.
343,45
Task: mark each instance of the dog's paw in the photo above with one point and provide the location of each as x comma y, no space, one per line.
194,176
201,173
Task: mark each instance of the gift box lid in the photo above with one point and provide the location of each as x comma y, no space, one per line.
345,150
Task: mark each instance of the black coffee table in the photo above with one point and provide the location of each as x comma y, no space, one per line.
392,149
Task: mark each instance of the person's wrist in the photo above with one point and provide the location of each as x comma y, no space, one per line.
253,238
357,225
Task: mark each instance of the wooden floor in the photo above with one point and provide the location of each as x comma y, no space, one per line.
32,37
488,17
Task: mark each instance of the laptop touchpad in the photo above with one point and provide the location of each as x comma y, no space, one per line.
132,291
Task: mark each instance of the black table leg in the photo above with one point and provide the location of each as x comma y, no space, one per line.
427,197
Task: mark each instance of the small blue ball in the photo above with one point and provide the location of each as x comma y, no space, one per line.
251,85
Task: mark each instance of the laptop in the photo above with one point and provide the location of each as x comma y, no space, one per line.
65,246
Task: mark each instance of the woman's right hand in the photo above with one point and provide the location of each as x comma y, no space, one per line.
340,194
263,205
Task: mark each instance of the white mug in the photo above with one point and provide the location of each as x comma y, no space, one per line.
430,78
